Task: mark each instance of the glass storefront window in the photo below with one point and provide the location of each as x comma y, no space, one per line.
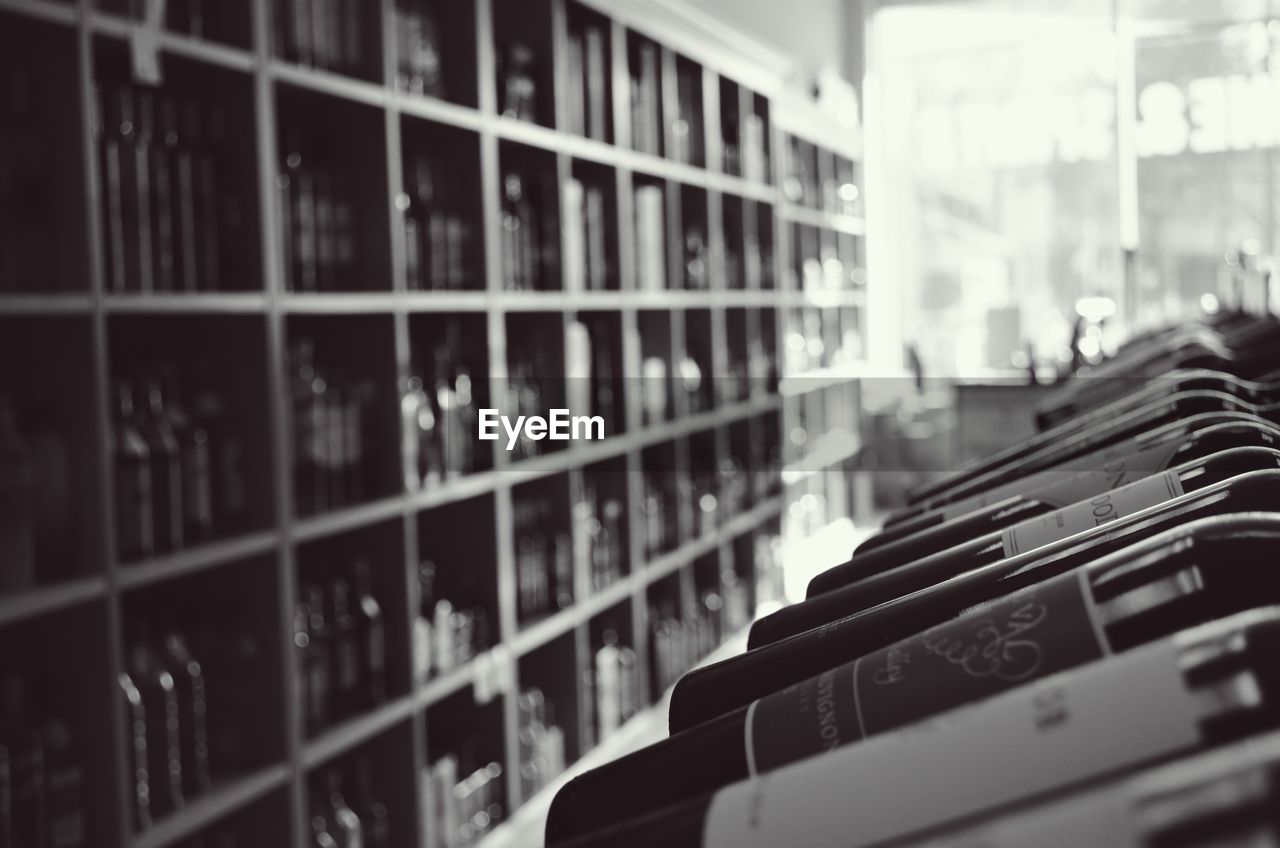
1012,185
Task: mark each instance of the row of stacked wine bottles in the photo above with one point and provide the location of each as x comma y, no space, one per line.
1070,641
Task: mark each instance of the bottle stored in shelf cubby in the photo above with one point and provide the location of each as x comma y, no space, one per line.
329,35
588,75
644,61
175,214
651,222
686,130
419,65
330,408
465,781
340,633
544,558
529,224
180,465
42,780
447,634
541,741
440,240
442,400
17,511
347,808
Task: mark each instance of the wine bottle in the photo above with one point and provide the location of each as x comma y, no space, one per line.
166,471
715,689
193,711
135,715
1178,580
1094,473
1107,433
1144,393
1175,697
1144,447
23,749
1214,798
163,716
135,518
373,630
1050,509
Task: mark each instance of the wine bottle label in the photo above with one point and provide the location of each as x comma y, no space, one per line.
1031,740
1078,479
1025,636
1094,512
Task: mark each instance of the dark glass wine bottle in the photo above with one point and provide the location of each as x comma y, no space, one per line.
1225,796
946,532
717,688
1175,408
1144,448
1145,592
1177,696
851,588
1095,472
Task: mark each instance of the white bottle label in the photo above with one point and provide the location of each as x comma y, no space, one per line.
1080,478
1105,717
1085,515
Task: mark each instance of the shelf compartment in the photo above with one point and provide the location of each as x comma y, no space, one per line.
612,689
51,526
465,782
549,710
207,650
176,166
436,49
339,36
334,229
42,198
351,628
440,207
447,385
544,562
522,36
535,378
588,75
344,430
57,693
226,22
529,224
191,451
366,795
589,203
456,587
